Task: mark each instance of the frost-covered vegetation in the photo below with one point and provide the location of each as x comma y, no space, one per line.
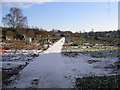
101,59
13,63
98,82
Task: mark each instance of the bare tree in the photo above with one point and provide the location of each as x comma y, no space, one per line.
15,19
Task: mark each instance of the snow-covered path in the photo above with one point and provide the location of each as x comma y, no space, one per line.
46,71
55,70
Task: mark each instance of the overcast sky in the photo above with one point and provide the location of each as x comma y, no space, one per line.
74,16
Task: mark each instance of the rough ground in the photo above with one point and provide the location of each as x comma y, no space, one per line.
51,69
45,71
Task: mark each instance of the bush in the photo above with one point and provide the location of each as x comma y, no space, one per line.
19,36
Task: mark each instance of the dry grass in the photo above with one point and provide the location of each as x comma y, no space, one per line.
21,46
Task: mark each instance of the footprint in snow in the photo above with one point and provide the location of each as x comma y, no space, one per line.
35,82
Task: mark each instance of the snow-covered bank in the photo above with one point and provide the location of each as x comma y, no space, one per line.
13,63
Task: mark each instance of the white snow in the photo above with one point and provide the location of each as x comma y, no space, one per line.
53,70
48,68
8,65
24,51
